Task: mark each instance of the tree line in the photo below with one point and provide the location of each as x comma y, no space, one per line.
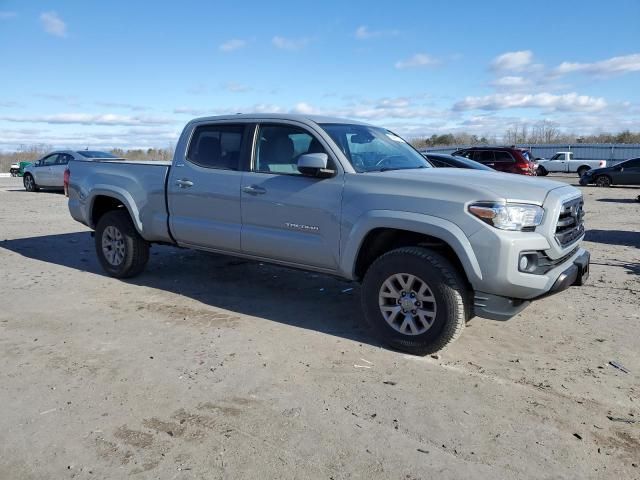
544,133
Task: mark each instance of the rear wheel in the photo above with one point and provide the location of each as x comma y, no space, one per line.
582,171
29,183
603,181
414,300
121,250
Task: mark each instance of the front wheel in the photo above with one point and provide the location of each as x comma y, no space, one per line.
121,250
603,181
29,183
542,172
415,300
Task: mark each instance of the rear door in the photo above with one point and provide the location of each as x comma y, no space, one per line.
285,215
485,157
203,189
57,169
505,162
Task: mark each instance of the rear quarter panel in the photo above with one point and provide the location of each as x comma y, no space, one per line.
140,186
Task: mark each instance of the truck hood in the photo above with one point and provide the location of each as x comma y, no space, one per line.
490,185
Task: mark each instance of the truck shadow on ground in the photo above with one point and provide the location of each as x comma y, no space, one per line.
614,237
293,297
619,200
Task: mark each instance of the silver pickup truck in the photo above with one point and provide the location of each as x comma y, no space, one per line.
433,247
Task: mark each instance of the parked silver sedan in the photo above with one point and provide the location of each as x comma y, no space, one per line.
48,172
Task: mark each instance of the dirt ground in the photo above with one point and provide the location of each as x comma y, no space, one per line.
210,367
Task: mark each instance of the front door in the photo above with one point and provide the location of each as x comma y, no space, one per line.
203,189
628,173
285,215
42,173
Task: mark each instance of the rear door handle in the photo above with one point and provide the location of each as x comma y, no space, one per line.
254,190
184,183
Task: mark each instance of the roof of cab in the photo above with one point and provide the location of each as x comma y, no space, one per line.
280,116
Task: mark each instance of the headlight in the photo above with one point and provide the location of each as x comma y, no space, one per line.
508,216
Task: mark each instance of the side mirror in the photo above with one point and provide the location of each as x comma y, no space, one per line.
314,165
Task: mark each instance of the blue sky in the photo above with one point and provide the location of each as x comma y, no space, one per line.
130,74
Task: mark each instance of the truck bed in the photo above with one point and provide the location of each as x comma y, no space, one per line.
140,185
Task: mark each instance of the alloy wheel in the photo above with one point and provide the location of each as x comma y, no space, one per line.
113,246
407,304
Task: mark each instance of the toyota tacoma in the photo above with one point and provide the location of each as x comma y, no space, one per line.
432,247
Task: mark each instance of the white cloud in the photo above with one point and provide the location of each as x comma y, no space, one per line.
196,112
4,15
128,106
372,110
304,109
417,61
544,100
289,43
89,119
363,33
53,24
611,66
513,61
233,44
511,82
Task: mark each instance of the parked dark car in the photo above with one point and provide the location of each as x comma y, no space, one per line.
503,159
625,173
440,160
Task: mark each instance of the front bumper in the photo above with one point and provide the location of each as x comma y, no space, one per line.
586,180
496,307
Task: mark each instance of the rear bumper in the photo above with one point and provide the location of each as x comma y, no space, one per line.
496,307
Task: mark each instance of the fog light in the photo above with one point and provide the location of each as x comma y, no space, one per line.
524,263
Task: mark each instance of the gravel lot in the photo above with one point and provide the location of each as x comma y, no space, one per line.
212,367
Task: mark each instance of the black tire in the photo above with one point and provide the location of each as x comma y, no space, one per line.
603,181
30,183
447,285
542,172
582,171
135,249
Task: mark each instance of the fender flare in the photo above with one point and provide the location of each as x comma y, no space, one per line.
436,227
119,194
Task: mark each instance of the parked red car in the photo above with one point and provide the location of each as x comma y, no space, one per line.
503,159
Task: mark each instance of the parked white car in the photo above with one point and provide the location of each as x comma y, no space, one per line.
564,162
48,172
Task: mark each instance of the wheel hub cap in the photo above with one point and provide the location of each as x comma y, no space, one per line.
407,304
113,245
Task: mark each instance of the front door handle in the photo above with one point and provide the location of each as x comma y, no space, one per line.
254,190
184,183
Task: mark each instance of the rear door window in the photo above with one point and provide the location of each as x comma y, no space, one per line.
484,156
502,156
216,146
63,159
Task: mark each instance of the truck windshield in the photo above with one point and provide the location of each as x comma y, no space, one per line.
372,149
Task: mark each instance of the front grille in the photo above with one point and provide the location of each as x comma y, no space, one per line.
570,226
